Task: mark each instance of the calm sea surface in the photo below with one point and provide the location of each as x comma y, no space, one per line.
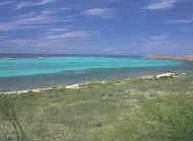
33,71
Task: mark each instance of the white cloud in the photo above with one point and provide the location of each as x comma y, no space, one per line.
32,4
3,38
57,29
101,12
108,50
163,44
24,23
30,20
69,35
158,37
154,42
5,3
181,21
39,19
160,4
7,26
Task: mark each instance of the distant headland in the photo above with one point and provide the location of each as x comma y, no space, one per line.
168,56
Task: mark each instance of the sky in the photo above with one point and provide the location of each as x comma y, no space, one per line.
103,27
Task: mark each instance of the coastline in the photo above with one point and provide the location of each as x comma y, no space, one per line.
78,85
170,57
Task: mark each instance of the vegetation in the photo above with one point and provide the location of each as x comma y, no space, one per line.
158,109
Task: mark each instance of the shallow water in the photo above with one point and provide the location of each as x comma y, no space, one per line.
30,66
37,72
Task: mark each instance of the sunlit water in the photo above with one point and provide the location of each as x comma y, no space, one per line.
31,66
21,72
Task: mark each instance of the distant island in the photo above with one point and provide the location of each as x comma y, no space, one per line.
168,56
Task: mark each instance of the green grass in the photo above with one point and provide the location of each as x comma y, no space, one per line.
120,110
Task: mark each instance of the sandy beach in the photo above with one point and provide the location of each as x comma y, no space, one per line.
77,85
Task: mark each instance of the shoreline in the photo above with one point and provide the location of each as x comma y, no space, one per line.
77,85
170,57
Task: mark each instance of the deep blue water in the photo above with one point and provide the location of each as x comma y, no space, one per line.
27,71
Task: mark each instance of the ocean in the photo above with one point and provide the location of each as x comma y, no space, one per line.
18,72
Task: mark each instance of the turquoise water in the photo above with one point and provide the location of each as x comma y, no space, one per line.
47,65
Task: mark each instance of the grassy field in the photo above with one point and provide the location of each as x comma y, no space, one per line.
120,110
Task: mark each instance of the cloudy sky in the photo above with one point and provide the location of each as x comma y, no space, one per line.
118,27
